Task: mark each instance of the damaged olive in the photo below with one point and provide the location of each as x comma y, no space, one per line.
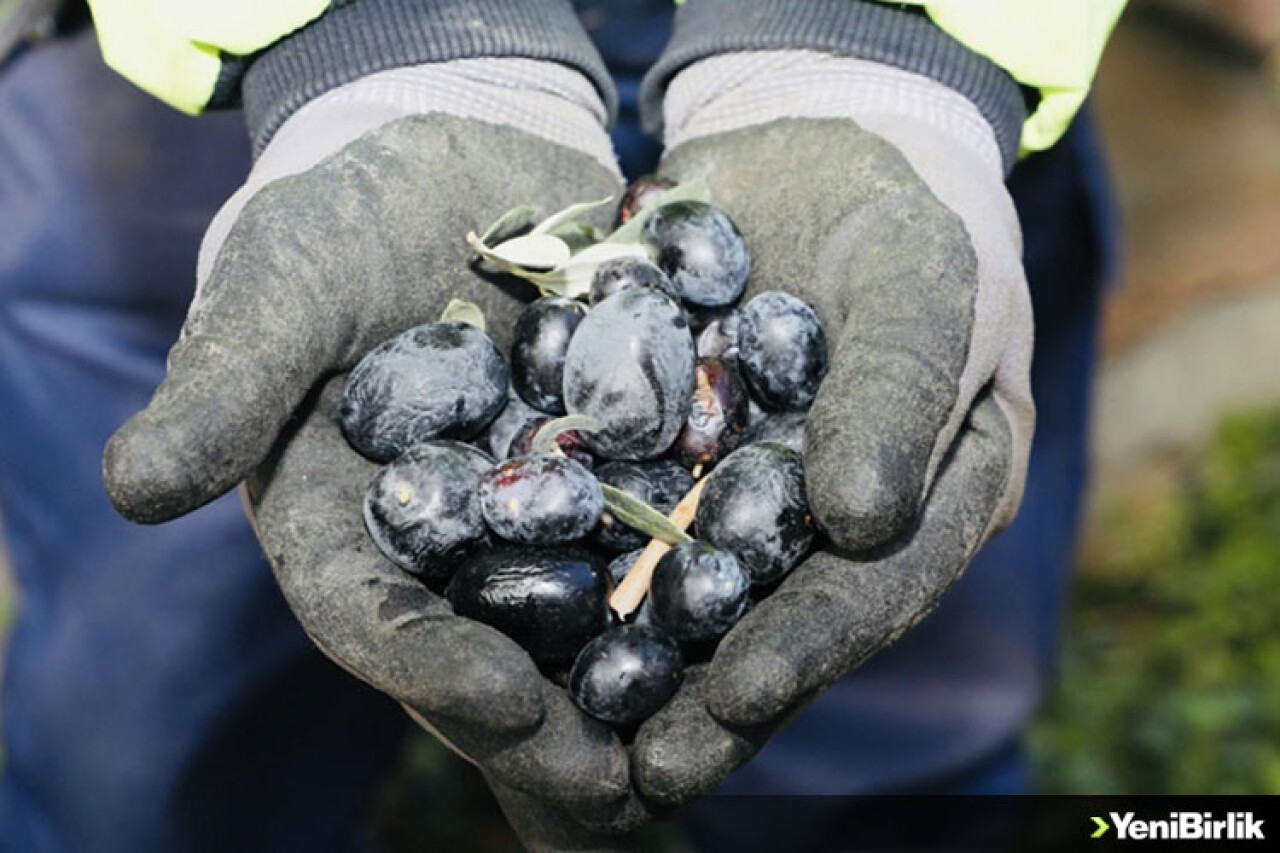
540,500
717,416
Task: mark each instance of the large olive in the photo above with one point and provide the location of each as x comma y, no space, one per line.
630,367
552,601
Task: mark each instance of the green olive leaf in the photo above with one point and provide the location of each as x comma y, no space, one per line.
462,311
534,251
633,512
561,255
578,235
573,279
569,215
519,270
509,224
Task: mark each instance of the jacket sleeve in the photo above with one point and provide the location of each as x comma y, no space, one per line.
995,52
176,49
276,55
1049,45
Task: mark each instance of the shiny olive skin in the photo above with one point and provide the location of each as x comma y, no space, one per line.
699,592
423,509
671,482
618,568
754,506
630,367
552,601
539,344
643,192
439,380
785,428
570,442
718,416
782,351
496,440
540,500
626,674
620,565
621,274
701,250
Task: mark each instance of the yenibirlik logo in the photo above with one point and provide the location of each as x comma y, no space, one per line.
1181,826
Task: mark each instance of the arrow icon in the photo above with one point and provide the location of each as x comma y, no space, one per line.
1102,828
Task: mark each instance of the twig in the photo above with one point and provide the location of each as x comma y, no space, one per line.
627,597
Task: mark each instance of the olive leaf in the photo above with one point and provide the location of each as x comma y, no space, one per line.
509,224
533,251
462,311
569,215
501,262
561,254
578,235
635,513
694,190
541,249
573,279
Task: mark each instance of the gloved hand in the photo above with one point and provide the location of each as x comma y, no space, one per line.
877,196
351,229
555,771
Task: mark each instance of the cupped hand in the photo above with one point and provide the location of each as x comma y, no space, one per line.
916,445
314,270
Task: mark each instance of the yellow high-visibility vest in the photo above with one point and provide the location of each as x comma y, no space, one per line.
174,48
1049,45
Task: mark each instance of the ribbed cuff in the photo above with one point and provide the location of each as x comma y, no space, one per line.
904,39
356,39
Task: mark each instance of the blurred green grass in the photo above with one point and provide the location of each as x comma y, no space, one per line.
1170,679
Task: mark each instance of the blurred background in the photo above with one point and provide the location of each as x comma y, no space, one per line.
1170,681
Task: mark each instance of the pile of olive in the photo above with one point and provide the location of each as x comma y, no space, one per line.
540,489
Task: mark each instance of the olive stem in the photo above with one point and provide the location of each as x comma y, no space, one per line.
545,439
635,586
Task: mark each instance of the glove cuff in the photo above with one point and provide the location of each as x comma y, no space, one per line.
542,99
734,91
900,38
356,39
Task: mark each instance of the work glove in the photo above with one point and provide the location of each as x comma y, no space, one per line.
350,230
876,196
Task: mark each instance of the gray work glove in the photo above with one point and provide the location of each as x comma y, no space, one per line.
878,197
351,229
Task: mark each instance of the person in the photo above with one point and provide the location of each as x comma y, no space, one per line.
158,694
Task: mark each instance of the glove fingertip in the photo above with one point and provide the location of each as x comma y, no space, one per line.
685,753
860,503
143,482
752,688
